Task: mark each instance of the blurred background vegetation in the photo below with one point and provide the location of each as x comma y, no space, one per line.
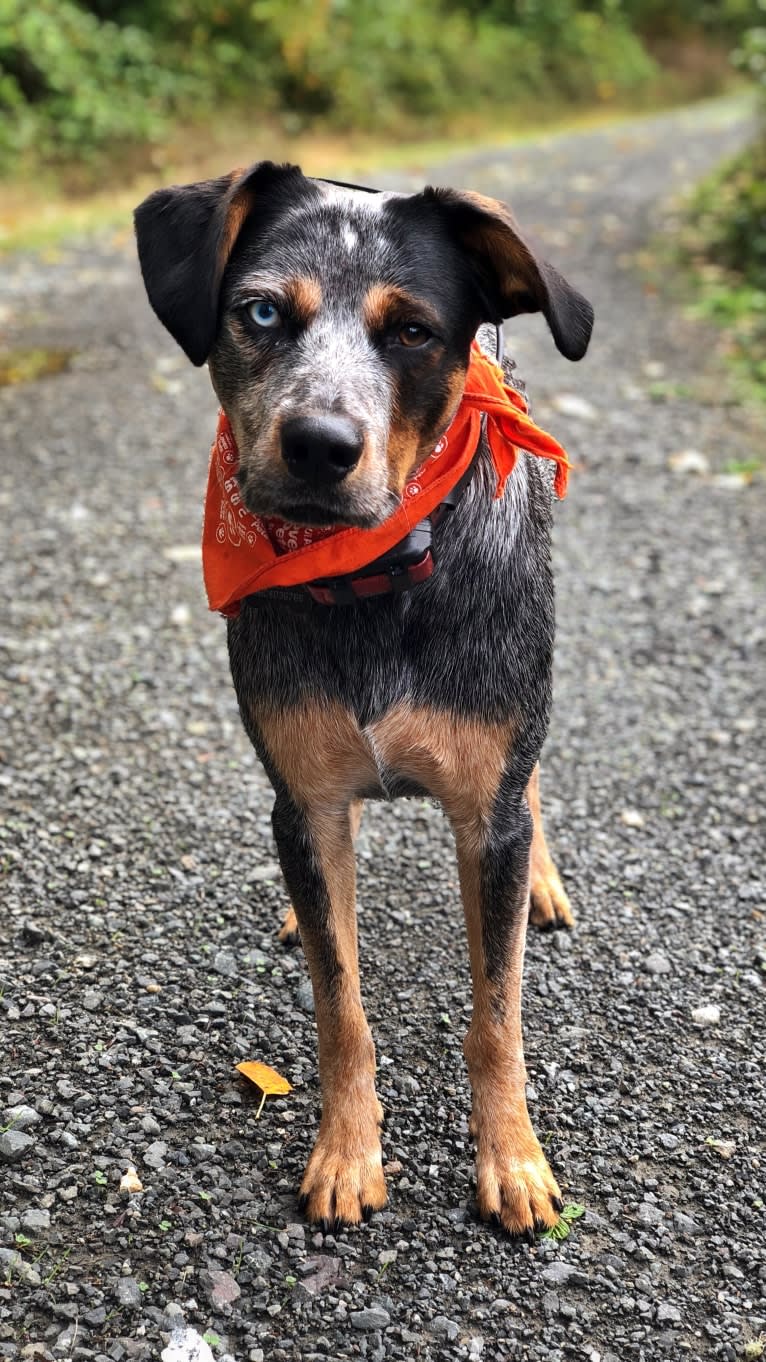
82,79
93,92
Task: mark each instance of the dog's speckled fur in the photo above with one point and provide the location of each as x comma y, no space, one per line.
444,689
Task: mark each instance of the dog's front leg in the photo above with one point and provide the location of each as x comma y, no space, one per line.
344,1179
514,1182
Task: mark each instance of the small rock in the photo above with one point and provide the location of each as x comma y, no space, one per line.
444,1328
685,1225
14,1144
182,553
571,404
65,1341
13,1269
186,1345
657,963
93,1000
632,818
650,1214
218,1288
128,1293
225,963
668,1141
706,1015
154,1154
319,1273
130,1183
32,935
731,482
689,461
559,1273
304,996
723,1147
21,1117
268,871
34,1222
667,1314
374,1317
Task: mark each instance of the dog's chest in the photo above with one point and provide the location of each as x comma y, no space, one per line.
327,758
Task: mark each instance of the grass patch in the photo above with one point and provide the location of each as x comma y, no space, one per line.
722,248
27,366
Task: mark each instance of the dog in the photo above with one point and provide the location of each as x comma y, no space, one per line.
338,324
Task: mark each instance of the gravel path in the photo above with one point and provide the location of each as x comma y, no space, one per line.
141,894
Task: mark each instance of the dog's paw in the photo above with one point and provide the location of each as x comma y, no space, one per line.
288,933
343,1183
548,902
516,1189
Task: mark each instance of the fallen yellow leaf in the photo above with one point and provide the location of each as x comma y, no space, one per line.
264,1077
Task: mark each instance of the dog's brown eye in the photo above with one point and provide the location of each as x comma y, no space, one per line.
414,335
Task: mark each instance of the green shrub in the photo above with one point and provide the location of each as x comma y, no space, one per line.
78,76
724,240
70,83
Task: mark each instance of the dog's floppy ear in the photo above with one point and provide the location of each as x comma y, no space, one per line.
514,277
185,236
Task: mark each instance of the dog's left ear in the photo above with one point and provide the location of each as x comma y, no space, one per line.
185,236
514,277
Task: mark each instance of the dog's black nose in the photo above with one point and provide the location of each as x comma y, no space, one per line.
322,447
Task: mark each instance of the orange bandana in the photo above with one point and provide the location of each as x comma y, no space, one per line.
243,553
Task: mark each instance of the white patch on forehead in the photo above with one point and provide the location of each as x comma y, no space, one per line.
350,239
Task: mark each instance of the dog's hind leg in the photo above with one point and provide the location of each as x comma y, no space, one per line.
289,932
515,1185
548,902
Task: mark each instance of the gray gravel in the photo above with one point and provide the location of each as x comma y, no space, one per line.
141,894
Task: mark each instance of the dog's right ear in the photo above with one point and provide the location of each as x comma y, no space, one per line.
185,236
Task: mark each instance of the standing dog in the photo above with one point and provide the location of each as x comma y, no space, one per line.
338,326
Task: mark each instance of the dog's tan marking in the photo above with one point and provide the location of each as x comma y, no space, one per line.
319,751
497,237
239,209
408,445
458,760
385,305
304,295
322,758
548,902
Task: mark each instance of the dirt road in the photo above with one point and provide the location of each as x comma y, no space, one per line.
140,891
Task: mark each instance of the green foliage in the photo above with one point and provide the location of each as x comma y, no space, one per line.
563,1227
727,217
724,239
69,83
82,77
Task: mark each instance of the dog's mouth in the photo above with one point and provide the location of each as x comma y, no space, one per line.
362,507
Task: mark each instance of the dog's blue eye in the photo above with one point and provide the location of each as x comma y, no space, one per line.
264,313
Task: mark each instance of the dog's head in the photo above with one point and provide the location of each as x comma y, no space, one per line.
337,323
